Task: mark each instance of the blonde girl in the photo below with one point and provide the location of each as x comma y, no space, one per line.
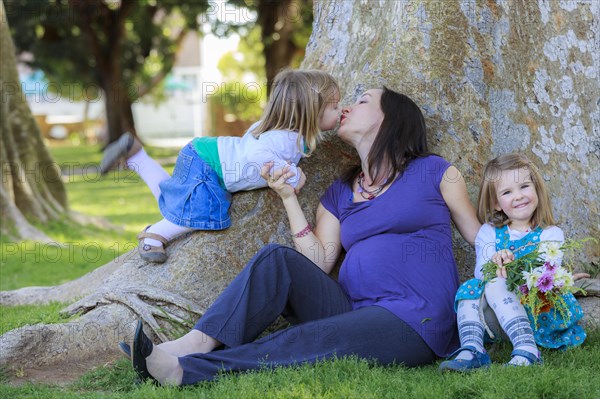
515,210
302,104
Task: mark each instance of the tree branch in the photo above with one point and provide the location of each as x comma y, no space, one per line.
124,11
86,26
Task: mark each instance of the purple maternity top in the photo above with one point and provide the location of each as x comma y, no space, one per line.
399,251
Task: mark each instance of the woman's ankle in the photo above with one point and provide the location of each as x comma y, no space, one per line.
194,341
164,367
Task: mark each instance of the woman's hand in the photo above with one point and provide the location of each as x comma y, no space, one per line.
276,180
579,276
501,258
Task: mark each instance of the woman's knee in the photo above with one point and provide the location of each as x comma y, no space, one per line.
278,258
271,256
271,251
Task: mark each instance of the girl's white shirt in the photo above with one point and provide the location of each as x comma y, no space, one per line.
243,157
485,243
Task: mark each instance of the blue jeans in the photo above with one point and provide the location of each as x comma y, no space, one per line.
281,281
193,197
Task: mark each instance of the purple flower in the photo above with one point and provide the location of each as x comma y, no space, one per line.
549,266
524,290
546,282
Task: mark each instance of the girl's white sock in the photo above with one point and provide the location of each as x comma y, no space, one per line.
166,229
519,361
470,327
149,170
512,317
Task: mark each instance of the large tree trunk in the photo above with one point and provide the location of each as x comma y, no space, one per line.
31,189
119,115
276,19
490,79
107,50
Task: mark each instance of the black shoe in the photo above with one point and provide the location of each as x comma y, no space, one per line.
142,348
125,348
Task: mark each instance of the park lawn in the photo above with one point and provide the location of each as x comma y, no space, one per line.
17,316
129,206
121,198
570,374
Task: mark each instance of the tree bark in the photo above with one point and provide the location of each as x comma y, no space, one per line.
276,19
118,105
108,53
32,189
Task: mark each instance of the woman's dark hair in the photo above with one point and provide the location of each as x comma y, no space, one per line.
401,138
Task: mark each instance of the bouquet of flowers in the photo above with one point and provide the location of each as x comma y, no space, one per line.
539,279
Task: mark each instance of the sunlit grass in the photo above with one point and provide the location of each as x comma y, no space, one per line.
12,317
569,374
121,198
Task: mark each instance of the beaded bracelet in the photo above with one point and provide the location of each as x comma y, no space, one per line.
304,232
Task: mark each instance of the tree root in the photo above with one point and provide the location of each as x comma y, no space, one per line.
106,319
148,303
93,336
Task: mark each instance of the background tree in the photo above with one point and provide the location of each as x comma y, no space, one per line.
243,92
124,48
277,39
31,187
285,26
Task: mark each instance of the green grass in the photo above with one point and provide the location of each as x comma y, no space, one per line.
17,316
570,374
79,156
72,157
129,206
121,198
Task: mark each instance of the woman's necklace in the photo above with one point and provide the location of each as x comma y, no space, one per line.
363,191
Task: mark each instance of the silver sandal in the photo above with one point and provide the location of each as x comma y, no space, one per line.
151,253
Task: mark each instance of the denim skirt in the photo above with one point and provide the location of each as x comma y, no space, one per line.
193,197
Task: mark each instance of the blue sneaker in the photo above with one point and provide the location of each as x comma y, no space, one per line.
479,360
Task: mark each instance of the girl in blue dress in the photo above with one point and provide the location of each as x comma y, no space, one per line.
515,210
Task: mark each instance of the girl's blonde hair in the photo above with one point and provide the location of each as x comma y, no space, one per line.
298,99
488,198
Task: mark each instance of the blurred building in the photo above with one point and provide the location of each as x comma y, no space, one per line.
182,112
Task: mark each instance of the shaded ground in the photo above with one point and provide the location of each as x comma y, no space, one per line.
61,374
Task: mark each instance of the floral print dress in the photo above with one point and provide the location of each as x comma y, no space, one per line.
551,330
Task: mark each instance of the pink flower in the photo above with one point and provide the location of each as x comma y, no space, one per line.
524,290
549,266
546,282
